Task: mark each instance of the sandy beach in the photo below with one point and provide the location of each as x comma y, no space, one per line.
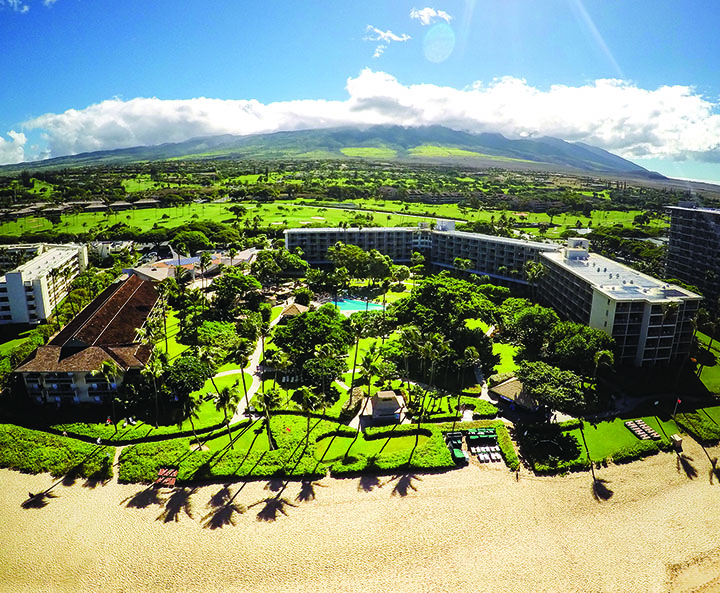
477,528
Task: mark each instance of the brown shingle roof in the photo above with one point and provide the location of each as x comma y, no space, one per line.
52,359
113,318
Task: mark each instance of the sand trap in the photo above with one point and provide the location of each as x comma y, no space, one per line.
472,529
317,218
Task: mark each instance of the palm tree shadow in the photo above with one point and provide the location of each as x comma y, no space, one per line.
714,470
220,498
178,502
275,484
273,507
684,463
307,490
600,490
404,484
368,482
37,501
144,498
223,515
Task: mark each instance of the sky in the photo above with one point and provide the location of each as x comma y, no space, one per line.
636,77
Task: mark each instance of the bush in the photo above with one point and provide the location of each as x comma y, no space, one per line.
34,452
498,378
303,296
637,451
507,449
699,426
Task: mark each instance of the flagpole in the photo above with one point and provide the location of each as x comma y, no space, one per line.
676,405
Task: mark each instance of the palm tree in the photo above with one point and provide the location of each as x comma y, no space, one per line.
269,400
190,411
358,328
205,261
325,352
240,354
409,339
265,331
309,401
470,359
209,356
154,369
226,399
110,371
232,252
603,357
367,370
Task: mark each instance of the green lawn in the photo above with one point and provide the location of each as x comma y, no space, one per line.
507,357
474,323
607,438
334,448
246,437
6,347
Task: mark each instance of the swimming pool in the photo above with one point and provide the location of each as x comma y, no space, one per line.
354,305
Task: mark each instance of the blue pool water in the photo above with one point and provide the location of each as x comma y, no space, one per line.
353,305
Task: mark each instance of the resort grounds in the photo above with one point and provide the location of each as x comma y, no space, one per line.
650,527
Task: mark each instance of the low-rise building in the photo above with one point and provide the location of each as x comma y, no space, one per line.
65,371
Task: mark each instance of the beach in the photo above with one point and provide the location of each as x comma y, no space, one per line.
652,528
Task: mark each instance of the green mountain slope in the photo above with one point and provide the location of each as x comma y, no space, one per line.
435,144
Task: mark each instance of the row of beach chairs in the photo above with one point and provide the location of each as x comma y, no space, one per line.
641,430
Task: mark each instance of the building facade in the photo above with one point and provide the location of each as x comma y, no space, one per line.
30,292
694,250
650,320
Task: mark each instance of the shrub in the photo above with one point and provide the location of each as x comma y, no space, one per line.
498,378
636,451
507,449
699,426
34,452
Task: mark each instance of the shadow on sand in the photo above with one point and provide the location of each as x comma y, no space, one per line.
600,490
37,501
404,484
684,463
177,503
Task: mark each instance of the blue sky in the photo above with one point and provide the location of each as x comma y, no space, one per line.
638,78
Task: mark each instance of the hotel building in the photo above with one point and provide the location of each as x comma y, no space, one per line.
31,292
650,320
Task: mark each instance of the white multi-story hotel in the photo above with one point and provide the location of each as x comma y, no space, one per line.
31,292
650,320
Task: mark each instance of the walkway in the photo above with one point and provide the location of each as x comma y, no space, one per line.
254,369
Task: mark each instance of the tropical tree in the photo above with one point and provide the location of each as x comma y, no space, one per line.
110,371
190,410
309,401
358,327
227,399
603,357
205,261
153,370
239,354
367,370
269,400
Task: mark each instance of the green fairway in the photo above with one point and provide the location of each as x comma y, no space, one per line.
246,437
369,152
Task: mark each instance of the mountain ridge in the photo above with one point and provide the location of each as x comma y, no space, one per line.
432,144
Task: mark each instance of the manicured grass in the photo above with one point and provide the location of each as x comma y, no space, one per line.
276,310
474,323
507,357
246,437
710,377
6,347
713,412
175,348
334,448
606,439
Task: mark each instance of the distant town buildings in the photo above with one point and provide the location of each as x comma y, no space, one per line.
650,320
31,291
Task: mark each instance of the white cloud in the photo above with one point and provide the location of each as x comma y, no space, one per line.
667,122
12,151
384,37
16,5
49,3
428,15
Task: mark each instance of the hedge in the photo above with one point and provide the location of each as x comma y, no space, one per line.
699,426
34,452
507,449
639,450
